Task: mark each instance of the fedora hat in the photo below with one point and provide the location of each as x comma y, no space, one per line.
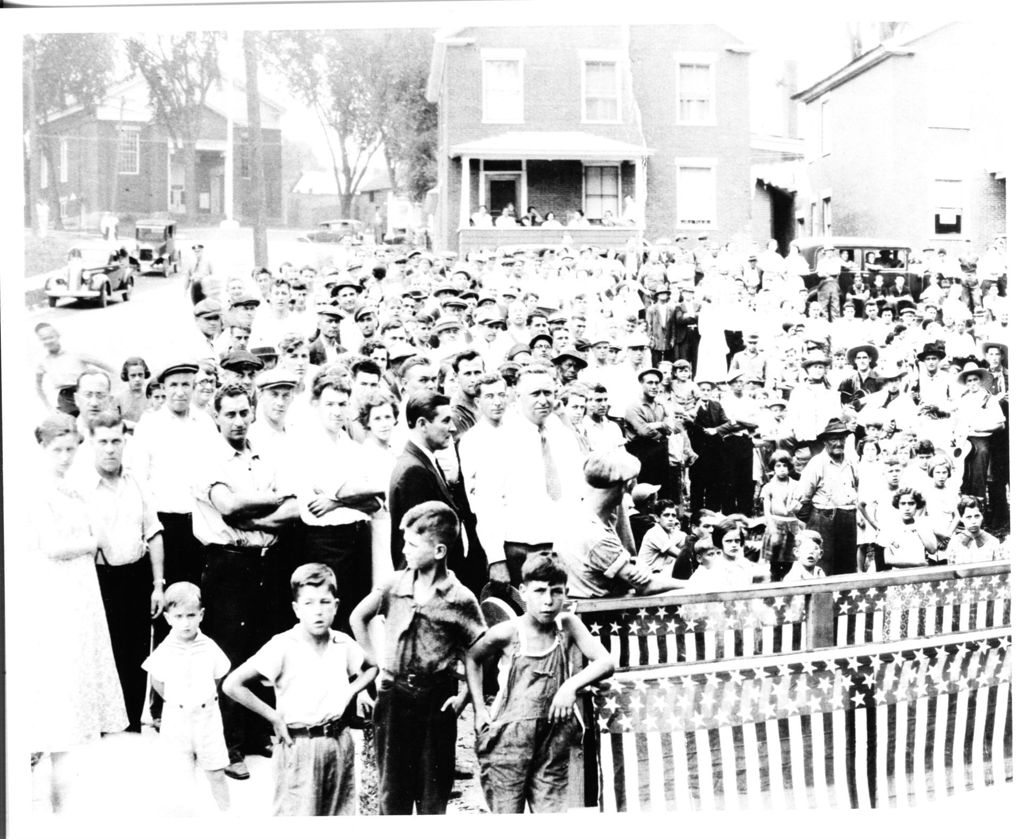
972,369
816,357
870,349
835,428
932,348
888,371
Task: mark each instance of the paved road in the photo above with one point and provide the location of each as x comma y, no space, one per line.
159,310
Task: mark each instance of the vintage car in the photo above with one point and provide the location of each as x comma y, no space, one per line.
336,230
94,271
864,256
155,248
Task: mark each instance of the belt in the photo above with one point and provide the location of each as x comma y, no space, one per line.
209,703
247,551
331,728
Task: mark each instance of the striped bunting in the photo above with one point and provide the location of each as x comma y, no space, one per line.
899,726
921,609
638,636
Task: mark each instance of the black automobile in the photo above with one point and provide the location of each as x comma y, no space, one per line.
94,273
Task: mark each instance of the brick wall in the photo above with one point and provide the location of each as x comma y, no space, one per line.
552,102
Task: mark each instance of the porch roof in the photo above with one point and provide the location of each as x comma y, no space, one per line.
549,145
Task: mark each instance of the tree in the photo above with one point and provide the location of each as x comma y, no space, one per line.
408,122
61,69
255,140
179,71
367,90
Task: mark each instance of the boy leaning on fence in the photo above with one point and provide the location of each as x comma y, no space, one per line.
524,739
430,622
316,672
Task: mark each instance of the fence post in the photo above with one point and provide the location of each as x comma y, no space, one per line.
820,620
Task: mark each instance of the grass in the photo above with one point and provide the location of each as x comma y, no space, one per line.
49,254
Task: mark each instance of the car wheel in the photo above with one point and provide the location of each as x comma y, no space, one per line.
53,302
128,290
104,296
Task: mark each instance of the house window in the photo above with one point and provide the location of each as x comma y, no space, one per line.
601,91
503,86
63,208
695,193
44,171
600,191
825,128
949,204
695,85
128,151
814,218
826,216
62,172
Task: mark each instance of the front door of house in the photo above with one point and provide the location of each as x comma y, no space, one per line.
176,199
504,190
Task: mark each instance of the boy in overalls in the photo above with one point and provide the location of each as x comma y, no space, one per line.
524,739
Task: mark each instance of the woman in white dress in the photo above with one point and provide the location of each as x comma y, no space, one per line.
76,695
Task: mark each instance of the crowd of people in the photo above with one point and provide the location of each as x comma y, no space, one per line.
395,443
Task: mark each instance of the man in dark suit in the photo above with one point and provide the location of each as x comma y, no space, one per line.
706,431
417,477
661,324
326,346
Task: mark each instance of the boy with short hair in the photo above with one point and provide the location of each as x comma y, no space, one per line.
430,622
524,739
700,528
807,551
316,672
186,669
663,543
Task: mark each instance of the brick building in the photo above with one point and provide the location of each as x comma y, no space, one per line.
118,159
910,141
651,124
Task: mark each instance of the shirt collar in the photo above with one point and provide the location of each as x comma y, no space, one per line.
405,584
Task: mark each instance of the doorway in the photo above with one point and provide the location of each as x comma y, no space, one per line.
783,218
501,190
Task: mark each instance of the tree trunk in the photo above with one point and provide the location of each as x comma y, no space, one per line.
191,195
346,204
33,134
255,140
53,187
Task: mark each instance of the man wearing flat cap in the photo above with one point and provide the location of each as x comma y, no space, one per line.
240,366
326,347
828,493
209,321
812,403
648,428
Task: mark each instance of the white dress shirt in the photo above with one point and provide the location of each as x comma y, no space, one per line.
165,453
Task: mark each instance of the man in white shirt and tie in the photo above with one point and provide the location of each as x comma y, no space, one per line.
539,470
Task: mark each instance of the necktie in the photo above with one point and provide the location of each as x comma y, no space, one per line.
551,482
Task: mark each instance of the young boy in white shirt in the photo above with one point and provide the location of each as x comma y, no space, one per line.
316,672
186,669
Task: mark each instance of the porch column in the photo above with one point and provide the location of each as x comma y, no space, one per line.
229,222
523,194
464,210
640,198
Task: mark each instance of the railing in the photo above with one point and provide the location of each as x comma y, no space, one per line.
868,726
491,238
780,617
858,690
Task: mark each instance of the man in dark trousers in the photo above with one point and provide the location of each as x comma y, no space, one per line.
418,477
706,430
